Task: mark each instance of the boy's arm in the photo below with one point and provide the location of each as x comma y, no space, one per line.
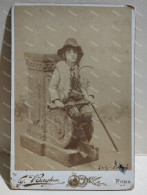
89,89
53,88
85,84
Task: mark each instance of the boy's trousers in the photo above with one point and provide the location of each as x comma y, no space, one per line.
81,113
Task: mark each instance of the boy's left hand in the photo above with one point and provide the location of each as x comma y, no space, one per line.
90,99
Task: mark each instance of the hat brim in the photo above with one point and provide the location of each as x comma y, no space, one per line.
78,48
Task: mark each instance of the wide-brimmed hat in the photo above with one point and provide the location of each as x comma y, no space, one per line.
71,42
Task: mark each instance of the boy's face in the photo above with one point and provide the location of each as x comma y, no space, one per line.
71,55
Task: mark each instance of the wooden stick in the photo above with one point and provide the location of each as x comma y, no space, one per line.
105,128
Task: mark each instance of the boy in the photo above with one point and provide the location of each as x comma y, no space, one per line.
68,83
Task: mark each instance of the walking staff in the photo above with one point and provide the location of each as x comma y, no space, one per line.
105,128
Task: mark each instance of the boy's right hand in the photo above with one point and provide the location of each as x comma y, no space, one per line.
59,104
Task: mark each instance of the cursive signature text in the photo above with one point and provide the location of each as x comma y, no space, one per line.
39,179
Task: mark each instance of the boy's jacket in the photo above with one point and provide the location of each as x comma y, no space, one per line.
60,82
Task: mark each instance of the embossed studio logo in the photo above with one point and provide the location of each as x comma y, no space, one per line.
82,181
73,181
39,179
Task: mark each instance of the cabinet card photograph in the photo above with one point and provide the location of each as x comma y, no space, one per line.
72,120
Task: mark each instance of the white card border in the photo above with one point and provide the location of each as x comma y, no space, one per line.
129,175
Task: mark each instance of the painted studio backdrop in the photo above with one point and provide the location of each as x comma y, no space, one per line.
105,37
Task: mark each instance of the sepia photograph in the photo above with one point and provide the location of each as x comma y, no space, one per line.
73,95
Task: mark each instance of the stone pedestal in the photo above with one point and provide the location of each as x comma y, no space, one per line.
50,133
